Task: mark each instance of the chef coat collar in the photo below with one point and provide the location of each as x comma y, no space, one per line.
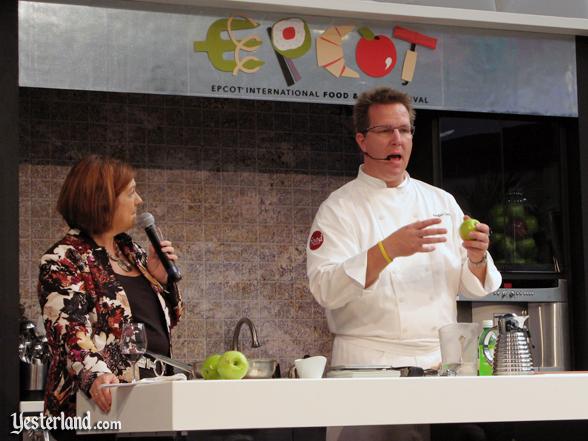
379,183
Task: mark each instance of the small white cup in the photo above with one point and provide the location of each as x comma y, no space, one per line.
311,367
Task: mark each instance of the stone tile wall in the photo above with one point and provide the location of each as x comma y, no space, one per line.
234,184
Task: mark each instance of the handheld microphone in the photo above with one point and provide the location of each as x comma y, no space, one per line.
147,221
379,159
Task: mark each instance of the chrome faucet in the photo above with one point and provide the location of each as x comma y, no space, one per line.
254,340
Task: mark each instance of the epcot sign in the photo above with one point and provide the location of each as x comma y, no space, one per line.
294,58
290,38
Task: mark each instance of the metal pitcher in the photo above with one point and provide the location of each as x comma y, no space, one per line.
512,354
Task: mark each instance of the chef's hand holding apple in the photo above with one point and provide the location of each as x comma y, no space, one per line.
476,238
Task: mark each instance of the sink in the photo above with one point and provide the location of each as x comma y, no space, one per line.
261,368
258,367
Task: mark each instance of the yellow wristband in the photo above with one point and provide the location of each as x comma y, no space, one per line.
387,258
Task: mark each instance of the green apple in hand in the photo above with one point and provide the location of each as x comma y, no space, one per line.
209,367
233,365
467,227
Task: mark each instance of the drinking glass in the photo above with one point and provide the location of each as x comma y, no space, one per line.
459,348
133,343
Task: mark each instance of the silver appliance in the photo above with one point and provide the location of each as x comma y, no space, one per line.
512,354
548,323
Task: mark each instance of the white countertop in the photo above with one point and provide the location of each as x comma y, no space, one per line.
242,404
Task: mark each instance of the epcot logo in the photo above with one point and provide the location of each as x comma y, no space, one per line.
291,38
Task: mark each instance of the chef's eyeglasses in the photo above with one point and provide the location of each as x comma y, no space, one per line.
387,131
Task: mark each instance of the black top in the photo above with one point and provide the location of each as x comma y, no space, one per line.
146,309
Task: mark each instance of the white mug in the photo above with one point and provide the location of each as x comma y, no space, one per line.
311,367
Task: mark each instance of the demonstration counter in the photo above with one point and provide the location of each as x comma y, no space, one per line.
270,403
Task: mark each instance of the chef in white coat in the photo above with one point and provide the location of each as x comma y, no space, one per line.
384,256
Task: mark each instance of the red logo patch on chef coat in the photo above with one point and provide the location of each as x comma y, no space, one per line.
316,240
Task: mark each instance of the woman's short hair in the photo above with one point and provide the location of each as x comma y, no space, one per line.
88,196
378,95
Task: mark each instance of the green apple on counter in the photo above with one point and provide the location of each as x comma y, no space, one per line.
233,365
209,367
467,227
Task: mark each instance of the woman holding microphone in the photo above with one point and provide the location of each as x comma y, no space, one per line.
94,281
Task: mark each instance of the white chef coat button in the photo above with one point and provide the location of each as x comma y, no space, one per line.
381,217
434,329
400,300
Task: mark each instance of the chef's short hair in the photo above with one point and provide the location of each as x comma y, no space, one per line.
88,196
378,95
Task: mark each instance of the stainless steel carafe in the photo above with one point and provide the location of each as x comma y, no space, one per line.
512,354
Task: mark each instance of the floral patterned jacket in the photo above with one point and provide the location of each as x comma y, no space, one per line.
84,307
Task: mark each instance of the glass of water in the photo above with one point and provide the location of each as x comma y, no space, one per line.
459,348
